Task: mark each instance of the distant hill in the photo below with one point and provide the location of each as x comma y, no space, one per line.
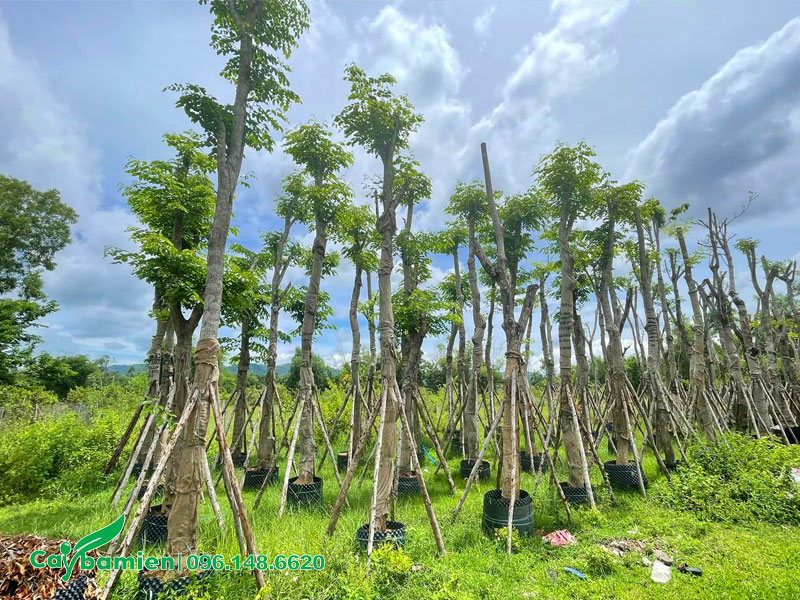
137,368
255,369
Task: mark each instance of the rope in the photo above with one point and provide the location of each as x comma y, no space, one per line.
428,454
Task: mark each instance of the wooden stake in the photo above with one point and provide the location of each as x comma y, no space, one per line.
144,505
426,499
232,487
374,502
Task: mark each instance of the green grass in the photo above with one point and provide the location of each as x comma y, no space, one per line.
742,561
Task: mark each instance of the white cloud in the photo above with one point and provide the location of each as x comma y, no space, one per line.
483,21
738,131
556,63
45,144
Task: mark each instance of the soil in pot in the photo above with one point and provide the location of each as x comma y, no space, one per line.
495,512
408,485
484,471
574,495
304,494
254,477
154,527
623,477
395,534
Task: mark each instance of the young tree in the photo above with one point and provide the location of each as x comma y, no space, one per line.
748,246
468,202
247,310
311,147
360,243
646,216
512,222
619,202
282,254
254,35
697,358
173,201
414,309
567,177
382,122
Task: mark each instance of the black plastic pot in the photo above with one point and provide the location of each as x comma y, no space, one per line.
76,590
254,477
495,512
455,444
574,495
151,587
407,486
341,461
612,446
792,433
307,494
154,527
525,462
238,459
395,534
484,471
143,489
623,477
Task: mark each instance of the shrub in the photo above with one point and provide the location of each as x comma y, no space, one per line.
61,456
738,479
600,562
390,569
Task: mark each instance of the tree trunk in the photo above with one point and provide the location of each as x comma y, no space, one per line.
565,323
183,518
239,440
356,397
387,226
373,349
546,335
470,431
697,366
306,388
653,367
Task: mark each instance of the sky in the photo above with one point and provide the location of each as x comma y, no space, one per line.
699,100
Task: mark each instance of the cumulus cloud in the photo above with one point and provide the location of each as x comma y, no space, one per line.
420,54
556,63
45,144
739,131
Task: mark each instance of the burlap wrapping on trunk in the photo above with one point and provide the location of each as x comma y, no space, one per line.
386,473
183,518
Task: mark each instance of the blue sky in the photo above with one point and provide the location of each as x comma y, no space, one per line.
700,100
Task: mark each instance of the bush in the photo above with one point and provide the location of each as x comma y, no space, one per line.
60,457
600,562
738,479
391,567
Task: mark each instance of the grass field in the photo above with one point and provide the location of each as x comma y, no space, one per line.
742,561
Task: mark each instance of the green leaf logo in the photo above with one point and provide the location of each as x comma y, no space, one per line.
94,540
